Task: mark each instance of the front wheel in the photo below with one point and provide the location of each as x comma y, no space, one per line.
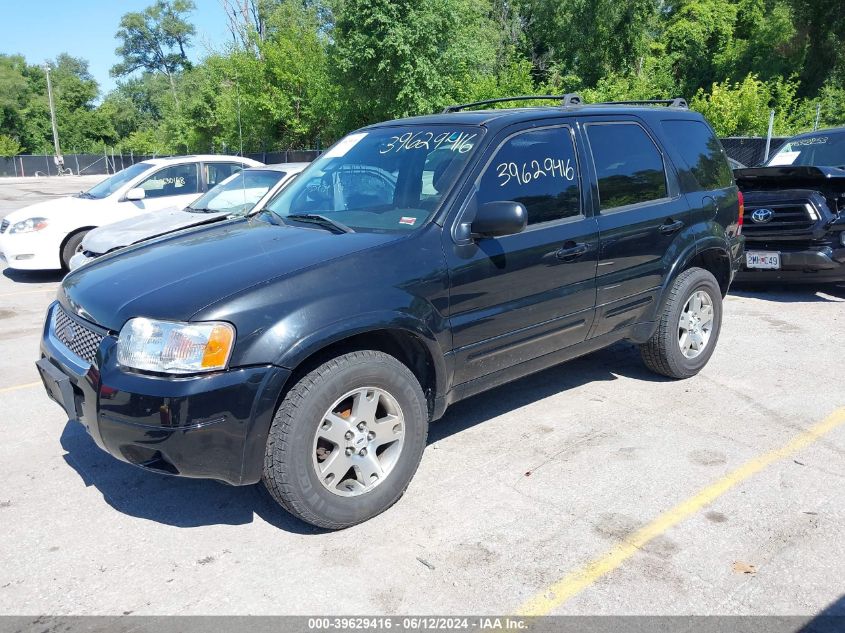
688,327
346,440
69,248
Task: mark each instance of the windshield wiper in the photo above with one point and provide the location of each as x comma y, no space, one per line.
202,210
322,220
85,194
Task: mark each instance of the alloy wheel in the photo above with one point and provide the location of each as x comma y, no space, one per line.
695,324
358,441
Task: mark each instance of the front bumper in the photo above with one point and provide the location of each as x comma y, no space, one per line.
212,426
821,265
38,250
78,260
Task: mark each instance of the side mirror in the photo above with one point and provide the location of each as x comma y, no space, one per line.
494,219
136,194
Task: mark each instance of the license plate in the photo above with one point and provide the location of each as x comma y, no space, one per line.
58,387
764,260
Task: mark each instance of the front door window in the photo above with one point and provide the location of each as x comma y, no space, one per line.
178,180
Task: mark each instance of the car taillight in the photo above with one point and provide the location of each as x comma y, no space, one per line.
741,199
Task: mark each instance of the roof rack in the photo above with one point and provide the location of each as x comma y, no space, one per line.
677,102
570,99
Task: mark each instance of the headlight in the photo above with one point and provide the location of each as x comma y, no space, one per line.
29,225
175,348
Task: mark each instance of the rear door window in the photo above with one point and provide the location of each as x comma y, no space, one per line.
537,168
216,173
706,166
629,167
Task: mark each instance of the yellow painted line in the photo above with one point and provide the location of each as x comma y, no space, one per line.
28,292
16,387
545,601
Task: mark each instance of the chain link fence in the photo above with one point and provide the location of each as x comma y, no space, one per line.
106,164
750,151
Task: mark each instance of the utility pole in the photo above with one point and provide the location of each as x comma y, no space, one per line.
58,158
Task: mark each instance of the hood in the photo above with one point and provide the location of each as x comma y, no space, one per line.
142,227
787,176
53,208
176,276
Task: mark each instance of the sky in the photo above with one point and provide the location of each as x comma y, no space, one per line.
41,29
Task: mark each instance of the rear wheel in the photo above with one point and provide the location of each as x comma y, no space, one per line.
69,249
688,328
346,440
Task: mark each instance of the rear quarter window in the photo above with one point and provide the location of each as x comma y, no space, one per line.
705,164
629,167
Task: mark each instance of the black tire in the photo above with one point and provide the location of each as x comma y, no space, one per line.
289,473
662,352
69,249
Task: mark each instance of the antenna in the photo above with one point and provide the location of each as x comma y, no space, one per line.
240,129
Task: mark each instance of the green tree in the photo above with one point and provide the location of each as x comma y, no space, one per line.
24,115
821,24
24,111
742,108
587,39
765,41
156,40
274,93
828,106
694,35
299,96
9,147
400,57
74,92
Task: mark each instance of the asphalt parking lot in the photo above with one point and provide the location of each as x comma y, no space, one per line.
591,488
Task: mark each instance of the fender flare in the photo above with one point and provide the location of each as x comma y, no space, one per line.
338,331
681,263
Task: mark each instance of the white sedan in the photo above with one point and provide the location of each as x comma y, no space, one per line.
243,193
44,236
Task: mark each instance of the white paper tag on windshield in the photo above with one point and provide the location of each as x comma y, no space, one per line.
784,158
346,144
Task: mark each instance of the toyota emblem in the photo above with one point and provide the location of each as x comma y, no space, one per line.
761,216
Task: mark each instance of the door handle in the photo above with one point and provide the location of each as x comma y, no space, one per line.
571,251
671,226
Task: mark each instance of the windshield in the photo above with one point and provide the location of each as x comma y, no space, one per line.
821,150
238,193
110,185
387,179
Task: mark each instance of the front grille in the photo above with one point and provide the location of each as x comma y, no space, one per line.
790,218
4,225
76,337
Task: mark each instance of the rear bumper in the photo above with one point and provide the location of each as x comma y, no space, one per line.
820,265
211,427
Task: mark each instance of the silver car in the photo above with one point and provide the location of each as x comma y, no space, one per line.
244,192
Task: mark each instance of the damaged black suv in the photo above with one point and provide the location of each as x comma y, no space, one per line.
794,220
416,263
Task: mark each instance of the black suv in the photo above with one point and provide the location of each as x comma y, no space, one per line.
795,212
416,263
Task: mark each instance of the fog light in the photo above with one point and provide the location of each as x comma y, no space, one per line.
842,238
